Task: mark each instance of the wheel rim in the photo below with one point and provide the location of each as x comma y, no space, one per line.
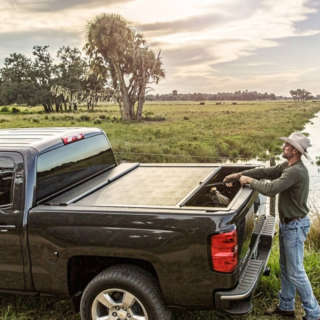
117,304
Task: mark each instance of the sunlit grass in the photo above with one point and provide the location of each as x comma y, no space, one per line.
186,131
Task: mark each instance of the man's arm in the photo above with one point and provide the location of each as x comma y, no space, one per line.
258,173
271,188
266,173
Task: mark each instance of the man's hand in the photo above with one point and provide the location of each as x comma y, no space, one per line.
232,177
245,180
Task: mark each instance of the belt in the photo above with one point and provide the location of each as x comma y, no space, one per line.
287,220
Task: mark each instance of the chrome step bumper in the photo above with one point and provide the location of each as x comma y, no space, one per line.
238,300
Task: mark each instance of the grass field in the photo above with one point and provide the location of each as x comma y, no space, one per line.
180,132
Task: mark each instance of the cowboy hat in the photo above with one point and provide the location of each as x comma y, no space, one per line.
299,141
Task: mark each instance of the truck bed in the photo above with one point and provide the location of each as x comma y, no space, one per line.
151,185
156,185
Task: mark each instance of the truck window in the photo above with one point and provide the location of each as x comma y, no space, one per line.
6,181
72,163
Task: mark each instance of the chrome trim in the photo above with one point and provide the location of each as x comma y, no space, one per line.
9,226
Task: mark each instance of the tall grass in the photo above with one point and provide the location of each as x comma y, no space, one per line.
313,241
184,131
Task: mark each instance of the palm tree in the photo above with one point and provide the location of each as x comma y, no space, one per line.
115,48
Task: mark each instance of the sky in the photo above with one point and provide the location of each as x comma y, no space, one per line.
206,45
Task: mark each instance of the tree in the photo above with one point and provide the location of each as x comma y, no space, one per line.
118,51
75,84
70,76
300,95
44,76
28,81
94,90
17,81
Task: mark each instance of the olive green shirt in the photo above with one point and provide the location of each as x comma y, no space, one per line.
291,182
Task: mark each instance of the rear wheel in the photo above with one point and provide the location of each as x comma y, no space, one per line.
123,292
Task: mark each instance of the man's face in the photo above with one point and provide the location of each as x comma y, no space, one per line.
288,151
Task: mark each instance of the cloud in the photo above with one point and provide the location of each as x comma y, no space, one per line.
23,42
190,24
188,55
60,5
271,22
201,41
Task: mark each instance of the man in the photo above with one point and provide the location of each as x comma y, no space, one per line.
291,181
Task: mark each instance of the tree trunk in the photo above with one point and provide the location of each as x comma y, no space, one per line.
121,107
46,109
140,104
57,107
65,105
126,113
50,106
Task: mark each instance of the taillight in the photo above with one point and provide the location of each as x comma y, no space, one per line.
70,139
224,251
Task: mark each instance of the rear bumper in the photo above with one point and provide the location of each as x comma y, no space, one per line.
238,300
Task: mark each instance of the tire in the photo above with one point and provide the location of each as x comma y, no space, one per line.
123,292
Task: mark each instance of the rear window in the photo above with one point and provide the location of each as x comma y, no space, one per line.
6,181
72,163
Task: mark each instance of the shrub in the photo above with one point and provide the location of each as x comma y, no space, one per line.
148,114
155,118
102,116
4,109
36,120
68,118
15,110
84,117
313,240
115,119
97,121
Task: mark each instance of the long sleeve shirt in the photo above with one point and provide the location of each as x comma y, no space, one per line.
291,182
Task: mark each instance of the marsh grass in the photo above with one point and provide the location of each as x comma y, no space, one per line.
184,132
313,241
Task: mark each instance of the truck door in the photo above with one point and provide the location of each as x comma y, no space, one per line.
11,204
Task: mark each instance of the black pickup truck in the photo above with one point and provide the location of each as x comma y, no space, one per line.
129,240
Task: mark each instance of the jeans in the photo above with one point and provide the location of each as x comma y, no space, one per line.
293,276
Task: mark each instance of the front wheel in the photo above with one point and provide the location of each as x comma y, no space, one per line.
123,292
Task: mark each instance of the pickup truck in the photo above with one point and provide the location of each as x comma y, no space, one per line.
128,240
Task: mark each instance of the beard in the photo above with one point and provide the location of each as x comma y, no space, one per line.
287,156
